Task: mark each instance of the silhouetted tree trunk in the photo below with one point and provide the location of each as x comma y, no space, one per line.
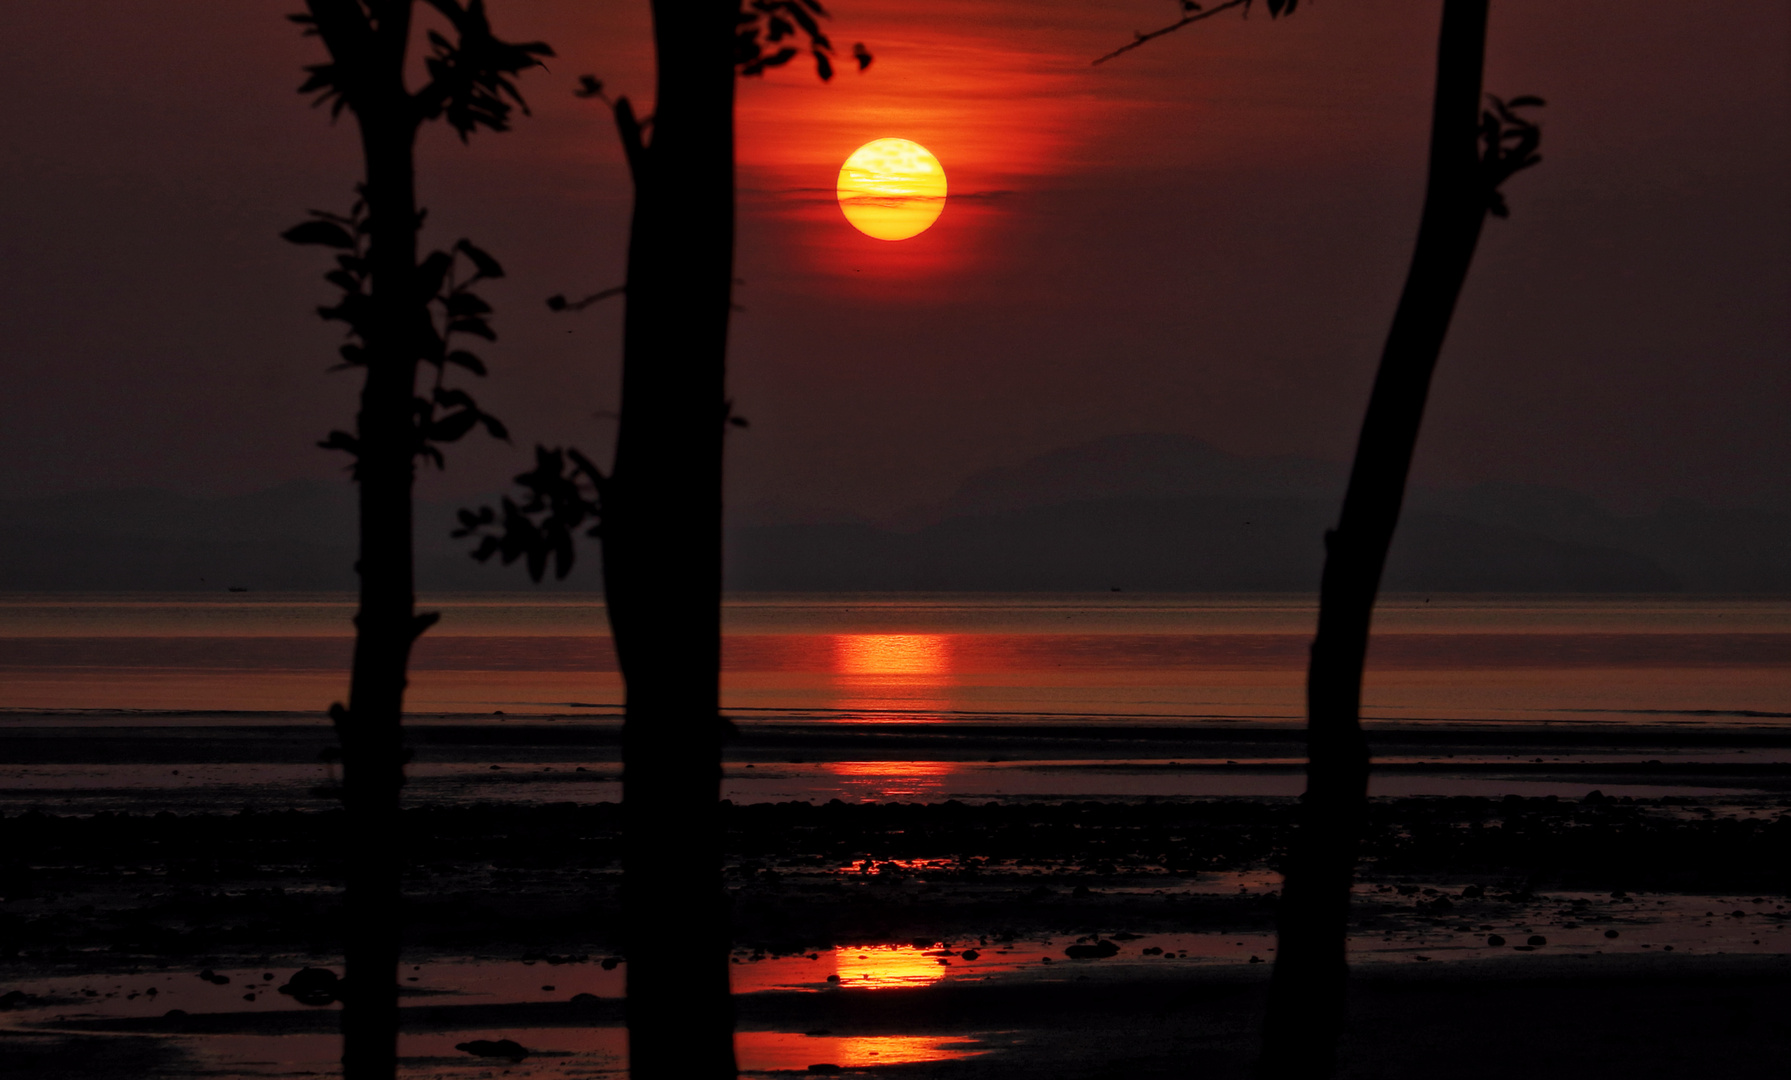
1307,995
662,548
387,303
659,514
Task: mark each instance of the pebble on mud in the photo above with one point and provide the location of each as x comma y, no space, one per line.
313,986
1537,940
500,1048
1495,940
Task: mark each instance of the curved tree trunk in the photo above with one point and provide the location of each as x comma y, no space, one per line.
1307,994
662,550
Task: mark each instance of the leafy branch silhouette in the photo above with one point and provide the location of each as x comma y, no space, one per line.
565,488
469,77
1508,145
448,413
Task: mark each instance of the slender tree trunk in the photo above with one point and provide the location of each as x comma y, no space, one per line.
1307,995
662,552
386,624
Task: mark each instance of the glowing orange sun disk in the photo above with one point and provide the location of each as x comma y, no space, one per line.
892,189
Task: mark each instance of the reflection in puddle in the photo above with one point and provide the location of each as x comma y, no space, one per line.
876,967
881,781
767,1050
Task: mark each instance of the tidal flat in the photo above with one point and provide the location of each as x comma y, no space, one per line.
1068,938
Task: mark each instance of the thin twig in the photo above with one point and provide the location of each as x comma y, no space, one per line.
560,303
1154,34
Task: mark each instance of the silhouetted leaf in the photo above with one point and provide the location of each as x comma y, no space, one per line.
861,54
475,327
466,304
452,427
486,266
326,233
342,440
462,358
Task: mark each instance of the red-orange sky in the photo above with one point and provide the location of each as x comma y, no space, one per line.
1206,236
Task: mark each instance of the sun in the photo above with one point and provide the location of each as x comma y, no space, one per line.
892,189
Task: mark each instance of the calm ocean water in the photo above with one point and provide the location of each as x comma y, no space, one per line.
929,657
156,702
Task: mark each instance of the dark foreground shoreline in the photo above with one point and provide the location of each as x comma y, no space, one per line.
508,879
1609,882
1569,1017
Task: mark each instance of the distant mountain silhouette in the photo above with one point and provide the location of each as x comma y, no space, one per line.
1169,512
1138,512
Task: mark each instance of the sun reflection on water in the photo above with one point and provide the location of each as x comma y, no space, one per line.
911,655
893,673
880,967
778,1050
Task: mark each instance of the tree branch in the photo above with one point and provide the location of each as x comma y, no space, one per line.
1142,37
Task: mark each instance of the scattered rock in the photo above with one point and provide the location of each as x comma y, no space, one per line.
14,999
313,986
970,954
1537,941
586,999
1100,950
1610,933
175,1014
826,1069
213,977
610,962
500,1048
1495,940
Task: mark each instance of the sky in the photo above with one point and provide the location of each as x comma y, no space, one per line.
1206,237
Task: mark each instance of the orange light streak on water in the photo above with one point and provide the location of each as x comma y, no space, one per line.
912,655
893,672
880,781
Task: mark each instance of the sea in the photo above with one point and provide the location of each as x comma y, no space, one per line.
908,696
